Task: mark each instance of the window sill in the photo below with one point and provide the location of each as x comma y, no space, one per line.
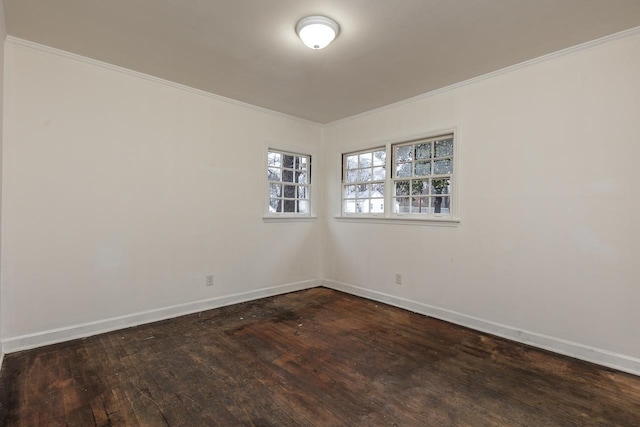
442,222
289,218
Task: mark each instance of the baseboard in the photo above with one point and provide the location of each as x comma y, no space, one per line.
55,336
579,351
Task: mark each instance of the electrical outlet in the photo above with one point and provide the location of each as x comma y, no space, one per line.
398,279
209,279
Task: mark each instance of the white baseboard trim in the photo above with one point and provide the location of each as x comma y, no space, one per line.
54,336
579,351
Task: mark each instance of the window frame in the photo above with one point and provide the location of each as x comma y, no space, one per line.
268,215
344,183
389,216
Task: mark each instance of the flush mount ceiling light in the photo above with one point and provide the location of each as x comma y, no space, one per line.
317,31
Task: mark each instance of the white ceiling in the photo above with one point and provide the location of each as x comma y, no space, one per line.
247,50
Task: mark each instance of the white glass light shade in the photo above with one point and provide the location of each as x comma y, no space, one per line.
317,31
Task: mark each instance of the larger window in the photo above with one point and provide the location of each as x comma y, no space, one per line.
418,177
289,180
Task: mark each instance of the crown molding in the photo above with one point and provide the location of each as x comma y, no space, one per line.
544,58
75,57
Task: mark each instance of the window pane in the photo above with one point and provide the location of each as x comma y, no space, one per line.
444,148
362,206
301,163
377,190
401,204
442,167
377,206
422,168
423,151
274,159
302,178
303,192
275,205
379,158
274,174
288,161
403,170
352,162
365,160
303,206
290,191
289,205
352,176
287,175
402,188
379,174
441,205
363,190
275,190
440,186
349,191
420,205
419,187
365,175
350,206
403,154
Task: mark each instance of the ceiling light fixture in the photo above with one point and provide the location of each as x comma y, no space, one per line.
317,31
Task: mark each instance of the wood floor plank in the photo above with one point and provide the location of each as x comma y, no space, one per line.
314,358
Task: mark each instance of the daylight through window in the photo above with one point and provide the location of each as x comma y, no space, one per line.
288,180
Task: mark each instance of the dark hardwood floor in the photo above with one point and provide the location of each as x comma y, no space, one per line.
312,358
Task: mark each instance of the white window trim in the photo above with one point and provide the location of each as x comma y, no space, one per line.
404,218
343,171
268,216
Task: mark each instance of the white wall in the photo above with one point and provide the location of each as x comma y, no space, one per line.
3,35
121,193
549,242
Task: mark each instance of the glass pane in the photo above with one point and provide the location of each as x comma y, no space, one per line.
303,206
420,205
275,205
303,192
287,175
365,160
352,176
423,151
376,206
302,178
352,162
419,186
289,206
290,191
440,186
350,206
403,154
377,190
288,161
401,204
274,159
379,174
444,148
422,168
364,175
441,205
274,174
349,191
379,158
403,170
275,190
442,166
362,206
363,190
402,188
301,163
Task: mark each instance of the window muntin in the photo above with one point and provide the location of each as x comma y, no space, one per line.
363,181
289,180
422,176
